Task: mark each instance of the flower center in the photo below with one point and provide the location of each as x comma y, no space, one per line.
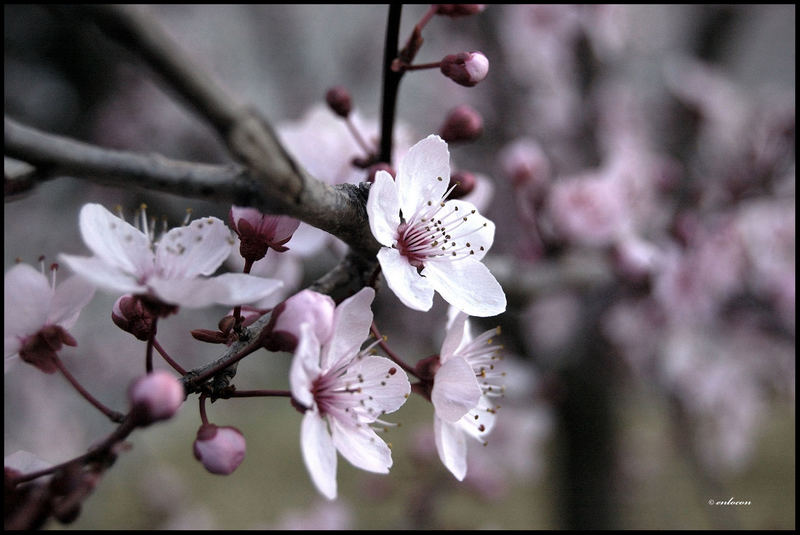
438,230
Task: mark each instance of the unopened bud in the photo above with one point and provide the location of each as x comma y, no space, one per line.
338,98
526,164
464,182
380,166
462,124
306,306
132,315
459,10
156,396
220,449
465,68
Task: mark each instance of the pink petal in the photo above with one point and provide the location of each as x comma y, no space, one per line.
480,415
424,174
361,446
115,241
467,285
227,289
475,230
319,453
103,275
351,323
383,209
455,389
26,300
451,446
454,335
70,297
196,249
305,366
412,289
385,382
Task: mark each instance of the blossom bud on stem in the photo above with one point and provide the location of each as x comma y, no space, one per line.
463,123
465,68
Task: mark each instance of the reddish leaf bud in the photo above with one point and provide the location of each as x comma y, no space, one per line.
463,123
459,10
465,68
220,449
464,182
338,98
156,396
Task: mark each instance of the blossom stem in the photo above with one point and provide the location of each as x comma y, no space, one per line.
237,311
112,415
148,366
127,425
391,354
406,67
259,393
426,17
203,415
358,137
391,82
177,367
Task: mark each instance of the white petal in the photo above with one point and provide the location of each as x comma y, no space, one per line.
351,322
383,209
26,299
307,240
319,453
385,383
467,285
451,446
424,174
227,289
115,241
412,289
454,335
360,445
11,346
455,389
101,274
305,366
480,415
70,297
477,231
196,249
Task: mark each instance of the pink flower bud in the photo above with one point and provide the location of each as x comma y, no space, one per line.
459,10
462,124
338,98
259,232
464,181
525,162
380,166
220,449
303,307
156,396
465,68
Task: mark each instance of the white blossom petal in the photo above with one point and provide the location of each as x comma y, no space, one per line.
451,446
360,445
482,415
424,174
195,249
472,232
305,366
229,289
454,336
388,386
351,322
467,285
383,208
412,289
319,453
103,275
455,389
26,297
115,241
69,299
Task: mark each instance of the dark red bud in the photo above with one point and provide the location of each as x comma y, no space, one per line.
338,98
462,124
465,183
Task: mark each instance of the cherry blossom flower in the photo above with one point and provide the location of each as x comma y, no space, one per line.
429,243
463,388
37,314
174,270
260,232
345,390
